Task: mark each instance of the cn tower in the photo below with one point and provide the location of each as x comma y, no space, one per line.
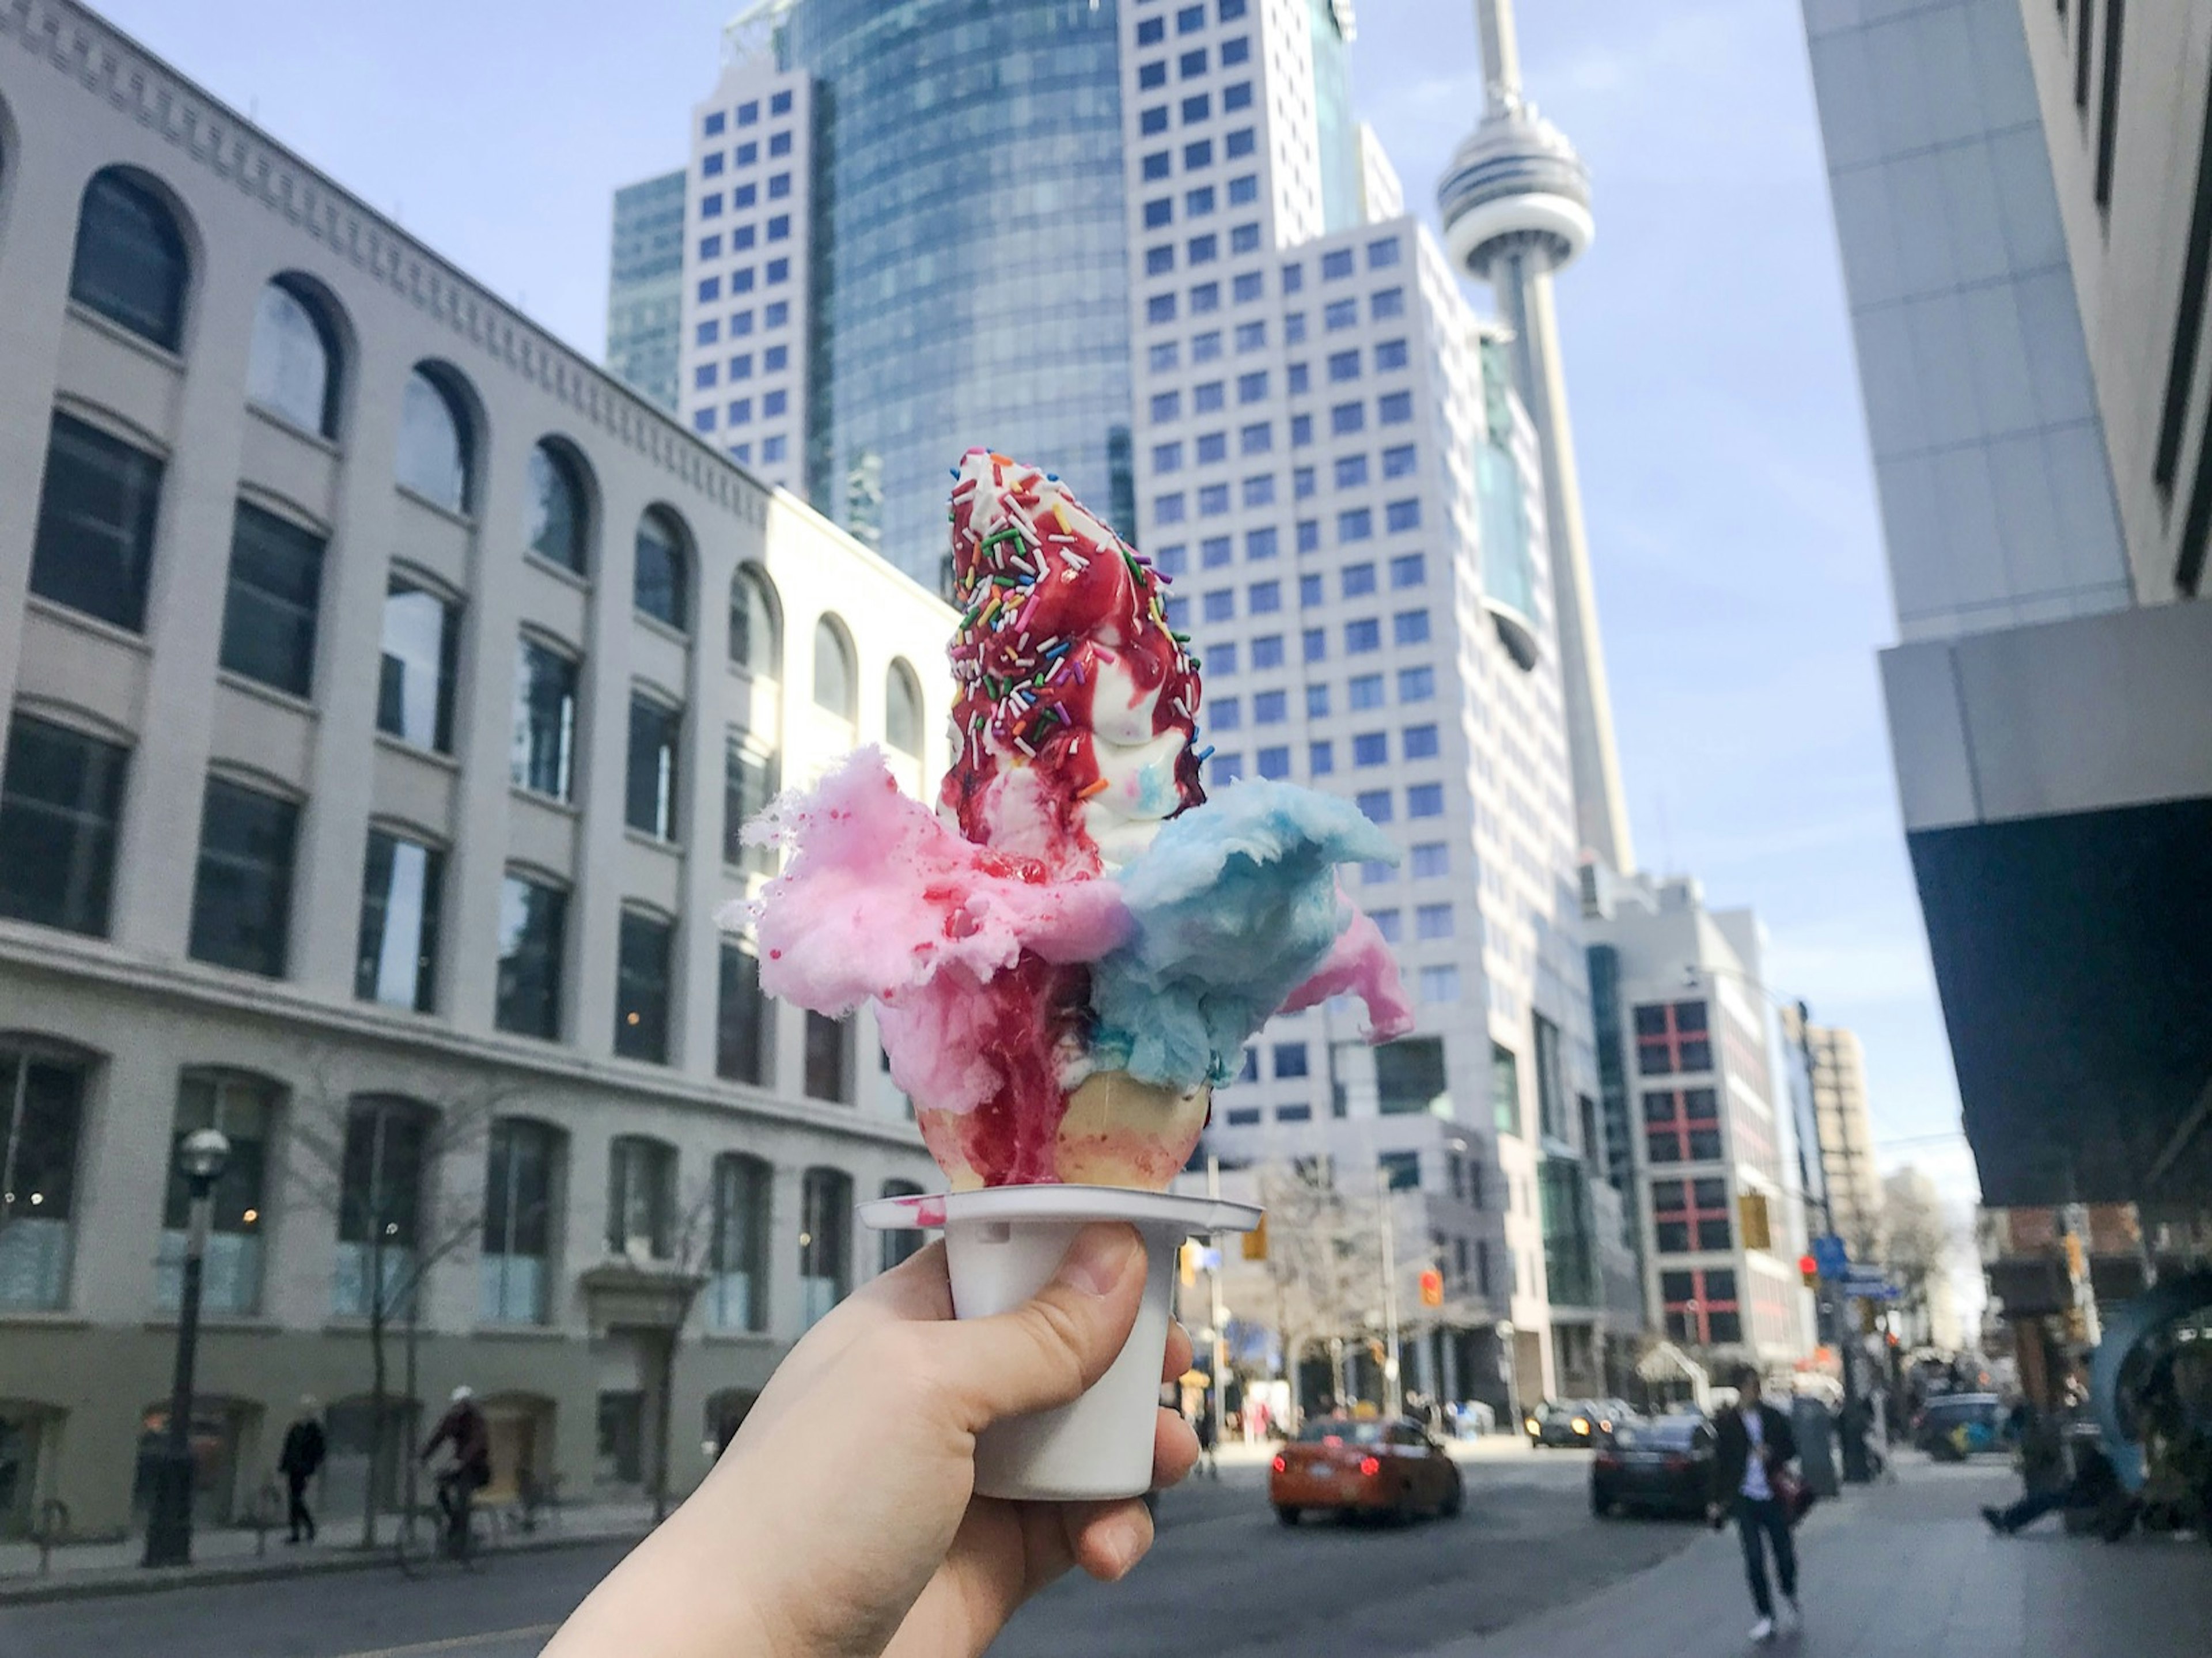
1516,208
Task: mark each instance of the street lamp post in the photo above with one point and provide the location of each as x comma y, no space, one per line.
201,1159
1393,1395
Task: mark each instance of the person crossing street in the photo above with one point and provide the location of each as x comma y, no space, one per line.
299,1461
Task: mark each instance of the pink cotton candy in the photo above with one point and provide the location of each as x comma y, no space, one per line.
879,899
1360,964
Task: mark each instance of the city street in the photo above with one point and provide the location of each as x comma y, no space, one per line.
1225,1579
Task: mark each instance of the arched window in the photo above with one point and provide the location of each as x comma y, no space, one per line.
642,1198
131,263
737,1293
663,571
903,710
433,443
558,515
387,1153
42,1090
825,1242
244,1109
754,644
834,682
522,1175
292,371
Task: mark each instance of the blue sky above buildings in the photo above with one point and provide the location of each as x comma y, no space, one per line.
1732,518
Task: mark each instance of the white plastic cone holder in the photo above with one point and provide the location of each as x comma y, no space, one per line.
1001,1247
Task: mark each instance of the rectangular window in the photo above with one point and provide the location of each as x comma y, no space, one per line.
1198,203
95,545
1221,605
242,896
1350,471
1275,763
655,748
779,270
270,609
1167,405
1225,768
1167,458
710,207
773,403
1263,599
642,982
1163,356
1336,265
1253,387
1390,355
1258,439
1419,742
1416,685
1302,432
748,112
1213,446
1391,923
1370,749
1228,713
1430,858
778,230
1376,805
544,746
1409,1076
401,892
1355,524
1168,508
1244,239
241,1111
829,1068
1204,250
1440,985
1243,190
779,103
1244,288
1317,700
1505,1089
1159,262
1426,800
1239,143
1198,109
1302,483
743,1017
1236,96
1238,51
641,1198
533,930
1343,366
1157,166
1250,337
1259,491
1215,552
1172,560
1395,408
1365,691
1313,643
1206,396
1310,590
1159,213
1321,758
1381,255
1213,499
705,375
1386,303
1408,570
1410,628
1267,651
1153,120
1402,515
779,143
1270,707
1151,77
61,798
713,124
417,671
1432,921
1299,378
708,333
1221,658
748,782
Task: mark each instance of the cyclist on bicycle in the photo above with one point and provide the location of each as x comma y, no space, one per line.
463,1426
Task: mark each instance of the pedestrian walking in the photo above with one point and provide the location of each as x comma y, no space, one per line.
1751,1484
1207,1433
299,1461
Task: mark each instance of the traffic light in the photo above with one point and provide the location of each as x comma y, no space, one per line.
1432,1288
1189,1262
1255,1241
1809,1270
1752,1214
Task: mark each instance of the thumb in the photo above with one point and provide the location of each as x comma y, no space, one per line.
1046,1351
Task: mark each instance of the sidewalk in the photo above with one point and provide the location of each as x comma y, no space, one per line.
232,1554
1906,1570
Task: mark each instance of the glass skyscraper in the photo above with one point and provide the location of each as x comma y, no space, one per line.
645,287
971,254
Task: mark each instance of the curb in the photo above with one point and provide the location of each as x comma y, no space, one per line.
115,1583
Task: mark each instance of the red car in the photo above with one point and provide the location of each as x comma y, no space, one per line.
1395,1467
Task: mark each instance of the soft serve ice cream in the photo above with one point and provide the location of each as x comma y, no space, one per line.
1069,958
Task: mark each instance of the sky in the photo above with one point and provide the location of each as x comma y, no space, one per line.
1732,519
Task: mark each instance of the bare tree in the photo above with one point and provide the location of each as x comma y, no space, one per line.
1918,1247
383,1166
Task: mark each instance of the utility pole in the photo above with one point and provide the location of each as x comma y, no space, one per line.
1393,1401
1219,1317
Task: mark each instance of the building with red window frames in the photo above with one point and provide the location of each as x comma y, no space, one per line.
1695,1115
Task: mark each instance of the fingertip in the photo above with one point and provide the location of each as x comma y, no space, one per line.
1174,1451
1179,1355
1114,1539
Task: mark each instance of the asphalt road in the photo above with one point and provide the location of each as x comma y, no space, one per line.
1225,1581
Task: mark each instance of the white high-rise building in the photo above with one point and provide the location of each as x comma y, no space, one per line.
1331,465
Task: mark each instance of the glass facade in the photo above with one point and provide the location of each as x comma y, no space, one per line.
1337,128
645,297
971,257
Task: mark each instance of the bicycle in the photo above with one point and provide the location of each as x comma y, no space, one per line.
428,1538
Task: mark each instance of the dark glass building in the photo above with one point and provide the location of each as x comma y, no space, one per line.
646,287
970,264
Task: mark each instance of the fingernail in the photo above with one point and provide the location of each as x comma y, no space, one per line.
1097,1259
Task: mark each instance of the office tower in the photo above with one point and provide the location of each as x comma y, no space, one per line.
384,686
1515,207
1846,1132
1686,1016
2023,200
645,286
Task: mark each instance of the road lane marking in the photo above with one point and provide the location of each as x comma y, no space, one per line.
454,1642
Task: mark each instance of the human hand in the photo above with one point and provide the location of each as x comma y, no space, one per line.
841,1520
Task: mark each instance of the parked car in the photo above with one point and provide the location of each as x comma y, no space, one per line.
1575,1423
1662,1466
1951,1427
1380,1467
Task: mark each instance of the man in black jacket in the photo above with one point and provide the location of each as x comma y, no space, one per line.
300,1459
1756,1445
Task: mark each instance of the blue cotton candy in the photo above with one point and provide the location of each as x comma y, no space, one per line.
1235,906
